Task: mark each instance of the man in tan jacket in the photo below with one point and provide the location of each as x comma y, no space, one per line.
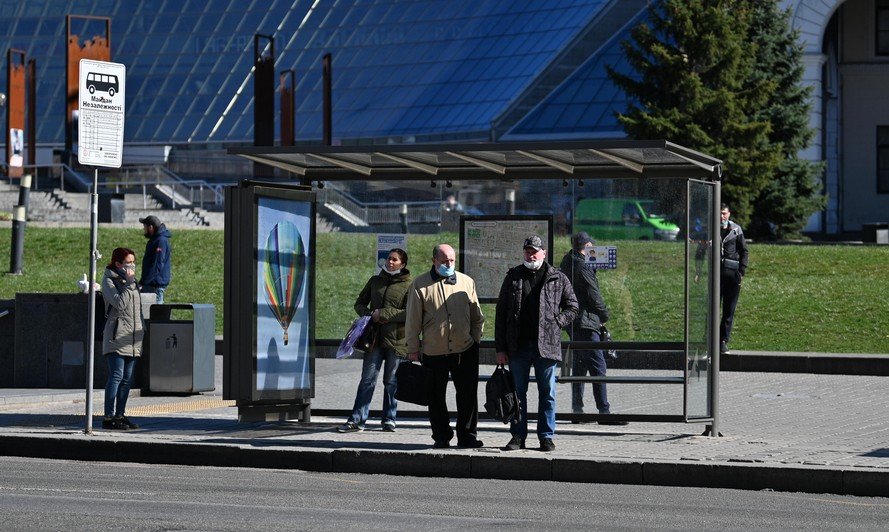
444,324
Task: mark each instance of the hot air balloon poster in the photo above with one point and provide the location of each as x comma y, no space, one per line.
282,309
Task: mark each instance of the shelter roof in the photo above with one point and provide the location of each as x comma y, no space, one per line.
599,159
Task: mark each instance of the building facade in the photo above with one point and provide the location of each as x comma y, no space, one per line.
418,71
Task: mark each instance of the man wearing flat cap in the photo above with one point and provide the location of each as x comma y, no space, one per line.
536,302
156,271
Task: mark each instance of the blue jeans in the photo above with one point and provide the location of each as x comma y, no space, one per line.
156,290
592,362
369,371
117,388
545,371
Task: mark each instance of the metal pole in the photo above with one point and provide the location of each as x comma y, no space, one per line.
91,334
327,99
715,259
24,191
403,214
510,199
17,249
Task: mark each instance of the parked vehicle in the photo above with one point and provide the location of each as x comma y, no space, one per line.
622,219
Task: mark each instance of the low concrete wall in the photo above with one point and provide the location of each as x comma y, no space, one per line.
51,340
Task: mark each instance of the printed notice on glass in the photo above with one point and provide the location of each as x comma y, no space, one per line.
100,125
387,242
491,245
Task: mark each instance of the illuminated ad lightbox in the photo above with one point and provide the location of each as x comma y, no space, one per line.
283,270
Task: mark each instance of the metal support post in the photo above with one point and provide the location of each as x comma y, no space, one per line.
510,199
17,249
403,215
91,334
24,192
715,261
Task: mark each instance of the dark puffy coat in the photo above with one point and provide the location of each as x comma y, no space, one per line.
734,246
593,312
156,262
124,326
558,308
389,294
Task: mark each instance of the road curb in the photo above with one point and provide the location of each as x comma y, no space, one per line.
456,464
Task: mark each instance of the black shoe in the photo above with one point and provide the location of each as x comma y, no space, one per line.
611,421
441,444
388,427
577,411
547,445
108,423
470,444
515,444
125,423
349,426
723,348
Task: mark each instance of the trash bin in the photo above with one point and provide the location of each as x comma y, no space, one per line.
181,351
877,232
112,208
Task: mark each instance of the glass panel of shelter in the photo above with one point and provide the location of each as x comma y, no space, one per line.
645,290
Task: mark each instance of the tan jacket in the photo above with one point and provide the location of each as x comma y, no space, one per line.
442,318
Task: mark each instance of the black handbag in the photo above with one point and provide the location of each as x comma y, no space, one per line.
414,383
501,403
605,336
368,339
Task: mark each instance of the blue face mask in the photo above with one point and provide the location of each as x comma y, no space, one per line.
444,271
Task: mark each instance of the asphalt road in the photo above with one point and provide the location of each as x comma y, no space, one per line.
57,495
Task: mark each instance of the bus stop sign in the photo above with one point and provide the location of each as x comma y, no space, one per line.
100,126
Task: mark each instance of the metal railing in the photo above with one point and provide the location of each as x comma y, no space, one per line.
384,212
154,180
190,193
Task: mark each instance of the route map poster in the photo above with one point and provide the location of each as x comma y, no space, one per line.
491,245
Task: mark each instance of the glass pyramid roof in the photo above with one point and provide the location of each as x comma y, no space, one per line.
402,68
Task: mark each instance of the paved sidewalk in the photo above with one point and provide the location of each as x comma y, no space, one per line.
782,431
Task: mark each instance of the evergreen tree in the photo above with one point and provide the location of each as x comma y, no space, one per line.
783,207
696,86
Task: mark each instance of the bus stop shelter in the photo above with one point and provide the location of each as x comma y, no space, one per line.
547,180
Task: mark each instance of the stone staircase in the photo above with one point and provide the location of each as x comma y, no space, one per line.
58,207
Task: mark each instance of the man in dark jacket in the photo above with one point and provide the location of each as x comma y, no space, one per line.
587,326
156,272
536,302
734,266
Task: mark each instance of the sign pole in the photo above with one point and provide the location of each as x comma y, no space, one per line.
91,335
101,90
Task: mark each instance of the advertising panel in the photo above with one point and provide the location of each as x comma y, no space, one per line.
283,272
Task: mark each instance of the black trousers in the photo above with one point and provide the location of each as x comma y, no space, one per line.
729,291
463,369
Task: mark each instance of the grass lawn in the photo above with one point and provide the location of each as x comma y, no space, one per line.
815,298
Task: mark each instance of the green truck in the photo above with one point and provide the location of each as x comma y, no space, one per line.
622,219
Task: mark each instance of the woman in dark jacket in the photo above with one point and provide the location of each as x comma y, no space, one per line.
384,298
122,336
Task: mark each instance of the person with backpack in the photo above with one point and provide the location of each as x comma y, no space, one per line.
536,302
